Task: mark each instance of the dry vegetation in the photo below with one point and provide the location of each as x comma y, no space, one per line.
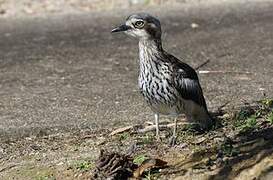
239,146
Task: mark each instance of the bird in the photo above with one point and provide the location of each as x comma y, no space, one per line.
169,86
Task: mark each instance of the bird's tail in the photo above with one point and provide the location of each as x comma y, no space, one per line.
201,117
206,122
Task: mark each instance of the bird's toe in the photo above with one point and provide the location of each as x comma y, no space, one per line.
172,141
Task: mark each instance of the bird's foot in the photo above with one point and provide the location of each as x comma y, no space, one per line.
172,141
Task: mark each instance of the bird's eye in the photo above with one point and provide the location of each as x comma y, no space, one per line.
139,24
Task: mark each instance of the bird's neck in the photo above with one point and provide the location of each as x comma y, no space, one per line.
153,45
150,55
150,50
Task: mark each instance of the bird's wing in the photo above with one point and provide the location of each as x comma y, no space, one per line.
189,89
187,82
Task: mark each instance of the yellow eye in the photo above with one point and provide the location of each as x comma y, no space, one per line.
139,24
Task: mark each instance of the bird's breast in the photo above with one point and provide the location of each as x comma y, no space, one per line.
158,90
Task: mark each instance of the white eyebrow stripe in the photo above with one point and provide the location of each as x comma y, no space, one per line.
132,21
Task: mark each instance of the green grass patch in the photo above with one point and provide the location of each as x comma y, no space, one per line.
267,102
249,124
139,159
242,115
151,175
124,136
246,120
83,165
46,177
148,139
270,117
228,149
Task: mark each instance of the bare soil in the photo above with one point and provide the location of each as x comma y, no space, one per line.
234,149
66,83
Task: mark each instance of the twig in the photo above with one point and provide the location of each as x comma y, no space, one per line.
223,105
202,65
153,127
223,72
121,130
8,167
140,129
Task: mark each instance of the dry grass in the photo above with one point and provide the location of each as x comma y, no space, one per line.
241,140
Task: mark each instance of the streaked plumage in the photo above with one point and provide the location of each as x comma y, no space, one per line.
169,86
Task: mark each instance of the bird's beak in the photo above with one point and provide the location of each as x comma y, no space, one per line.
121,28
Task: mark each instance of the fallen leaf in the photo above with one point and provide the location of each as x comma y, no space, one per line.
149,164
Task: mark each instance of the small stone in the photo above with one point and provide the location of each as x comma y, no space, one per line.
60,164
182,146
200,140
35,147
194,25
226,116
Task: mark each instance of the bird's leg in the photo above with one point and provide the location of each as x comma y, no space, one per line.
175,127
172,140
157,126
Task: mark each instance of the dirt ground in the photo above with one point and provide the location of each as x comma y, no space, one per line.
66,83
240,146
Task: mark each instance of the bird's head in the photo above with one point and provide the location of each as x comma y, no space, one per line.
142,26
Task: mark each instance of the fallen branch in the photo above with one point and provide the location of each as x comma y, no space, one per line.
121,130
161,127
140,129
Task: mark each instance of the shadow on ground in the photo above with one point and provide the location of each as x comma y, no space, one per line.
245,154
